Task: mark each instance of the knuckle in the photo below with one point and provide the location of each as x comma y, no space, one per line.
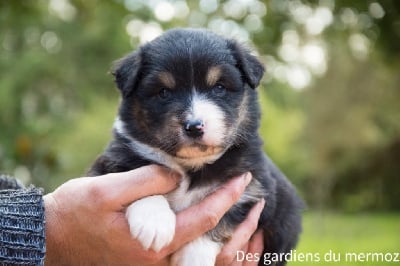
211,219
97,193
235,194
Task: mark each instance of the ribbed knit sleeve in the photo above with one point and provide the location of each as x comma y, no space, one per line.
22,226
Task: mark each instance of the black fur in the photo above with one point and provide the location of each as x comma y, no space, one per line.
188,55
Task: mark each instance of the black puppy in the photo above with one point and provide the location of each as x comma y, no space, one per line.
189,103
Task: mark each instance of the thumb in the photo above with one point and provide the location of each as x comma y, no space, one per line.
126,187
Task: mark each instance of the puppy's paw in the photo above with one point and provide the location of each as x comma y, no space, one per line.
152,222
200,252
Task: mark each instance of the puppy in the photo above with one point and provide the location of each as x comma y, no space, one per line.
189,103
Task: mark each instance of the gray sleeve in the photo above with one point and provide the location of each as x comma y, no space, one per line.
22,225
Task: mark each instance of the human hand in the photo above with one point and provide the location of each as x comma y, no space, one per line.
245,240
85,217
86,224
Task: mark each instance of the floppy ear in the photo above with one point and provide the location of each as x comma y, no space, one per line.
126,72
251,68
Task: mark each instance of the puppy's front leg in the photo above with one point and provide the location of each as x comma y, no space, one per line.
200,252
152,222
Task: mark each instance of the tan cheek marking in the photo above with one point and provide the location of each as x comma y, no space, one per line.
167,79
213,75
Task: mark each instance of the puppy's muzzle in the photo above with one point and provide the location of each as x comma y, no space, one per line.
194,128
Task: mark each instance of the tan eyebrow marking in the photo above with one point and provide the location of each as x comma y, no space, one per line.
213,75
167,79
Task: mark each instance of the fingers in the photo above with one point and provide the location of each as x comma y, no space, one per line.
120,189
255,246
241,237
198,219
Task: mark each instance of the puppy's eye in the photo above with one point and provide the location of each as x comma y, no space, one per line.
164,94
219,90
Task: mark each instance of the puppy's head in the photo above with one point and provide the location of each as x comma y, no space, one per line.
190,94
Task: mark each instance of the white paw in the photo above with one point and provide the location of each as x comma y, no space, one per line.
200,252
152,222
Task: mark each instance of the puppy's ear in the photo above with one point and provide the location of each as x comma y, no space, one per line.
126,72
251,68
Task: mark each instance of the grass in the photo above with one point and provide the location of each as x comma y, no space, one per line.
336,234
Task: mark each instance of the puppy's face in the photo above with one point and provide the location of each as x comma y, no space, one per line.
187,93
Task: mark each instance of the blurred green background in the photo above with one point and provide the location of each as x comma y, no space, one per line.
330,97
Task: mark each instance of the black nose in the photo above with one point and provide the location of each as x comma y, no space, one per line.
194,128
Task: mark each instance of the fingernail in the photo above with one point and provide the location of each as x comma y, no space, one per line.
247,178
261,203
176,176
172,174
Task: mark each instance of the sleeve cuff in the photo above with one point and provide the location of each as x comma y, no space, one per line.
22,227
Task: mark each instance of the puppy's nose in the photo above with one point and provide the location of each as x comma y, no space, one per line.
194,128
